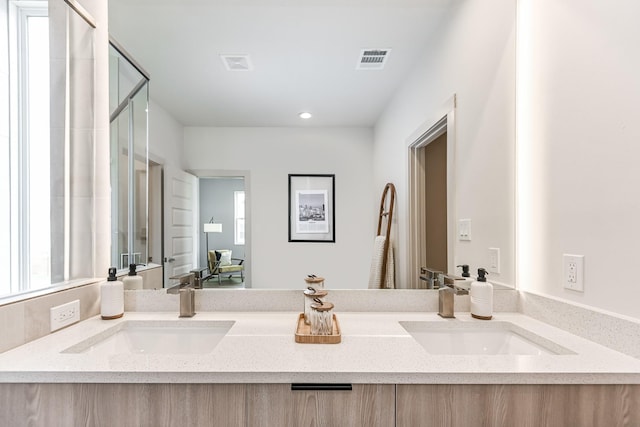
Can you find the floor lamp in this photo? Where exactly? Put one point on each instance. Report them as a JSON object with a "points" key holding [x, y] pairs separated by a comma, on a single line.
{"points": [[211, 227]]}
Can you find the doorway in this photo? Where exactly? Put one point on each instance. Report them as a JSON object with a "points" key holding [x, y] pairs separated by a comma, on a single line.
{"points": [[431, 199], [434, 191], [222, 202], [155, 213]]}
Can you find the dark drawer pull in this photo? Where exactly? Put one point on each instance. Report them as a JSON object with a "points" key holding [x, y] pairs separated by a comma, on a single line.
{"points": [[320, 387]]}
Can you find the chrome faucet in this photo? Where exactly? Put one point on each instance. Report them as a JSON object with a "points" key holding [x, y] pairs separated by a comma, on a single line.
{"points": [[185, 288], [445, 297]]}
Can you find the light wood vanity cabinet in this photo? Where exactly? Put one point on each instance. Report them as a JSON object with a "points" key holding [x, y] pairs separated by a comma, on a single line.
{"points": [[266, 405], [225, 405], [518, 405]]}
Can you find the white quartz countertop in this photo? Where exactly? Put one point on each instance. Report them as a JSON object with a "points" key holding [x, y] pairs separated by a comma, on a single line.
{"points": [[260, 348]]}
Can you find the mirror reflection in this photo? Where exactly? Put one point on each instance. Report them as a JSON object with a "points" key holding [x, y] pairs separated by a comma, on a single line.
{"points": [[128, 105], [222, 252], [46, 105], [229, 82]]}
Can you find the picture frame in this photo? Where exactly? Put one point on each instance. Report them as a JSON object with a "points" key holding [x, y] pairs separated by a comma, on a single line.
{"points": [[312, 208]]}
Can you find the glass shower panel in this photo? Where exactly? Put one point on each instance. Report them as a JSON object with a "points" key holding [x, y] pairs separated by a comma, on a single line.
{"points": [[119, 188], [123, 78], [128, 99], [139, 106]]}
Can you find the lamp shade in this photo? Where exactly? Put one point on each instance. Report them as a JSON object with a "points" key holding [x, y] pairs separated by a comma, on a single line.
{"points": [[212, 227]]}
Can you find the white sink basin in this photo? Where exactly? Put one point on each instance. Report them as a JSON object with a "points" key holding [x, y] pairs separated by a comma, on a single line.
{"points": [[156, 337], [490, 338]]}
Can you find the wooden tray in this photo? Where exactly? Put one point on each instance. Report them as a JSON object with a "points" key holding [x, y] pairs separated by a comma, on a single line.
{"points": [[303, 333]]}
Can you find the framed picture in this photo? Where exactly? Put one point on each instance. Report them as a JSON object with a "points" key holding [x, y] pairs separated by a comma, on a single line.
{"points": [[311, 208]]}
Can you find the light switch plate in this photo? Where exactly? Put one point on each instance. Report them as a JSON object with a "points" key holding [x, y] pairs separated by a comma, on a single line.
{"points": [[464, 229]]}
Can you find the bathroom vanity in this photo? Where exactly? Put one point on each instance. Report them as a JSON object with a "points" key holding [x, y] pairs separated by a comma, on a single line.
{"points": [[254, 373]]}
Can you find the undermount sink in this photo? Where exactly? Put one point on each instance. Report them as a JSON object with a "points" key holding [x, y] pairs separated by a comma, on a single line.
{"points": [[474, 338], [156, 337]]}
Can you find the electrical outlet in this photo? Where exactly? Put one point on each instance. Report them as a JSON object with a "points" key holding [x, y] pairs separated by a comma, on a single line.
{"points": [[64, 315], [464, 229], [573, 272], [494, 260]]}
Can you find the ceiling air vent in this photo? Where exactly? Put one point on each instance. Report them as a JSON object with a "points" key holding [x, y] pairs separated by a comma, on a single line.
{"points": [[237, 62], [372, 59]]}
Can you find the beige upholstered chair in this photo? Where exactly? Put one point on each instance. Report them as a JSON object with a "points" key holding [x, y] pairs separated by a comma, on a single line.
{"points": [[221, 264]]}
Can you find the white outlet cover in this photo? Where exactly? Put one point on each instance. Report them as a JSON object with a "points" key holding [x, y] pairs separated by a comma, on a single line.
{"points": [[573, 272], [64, 315]]}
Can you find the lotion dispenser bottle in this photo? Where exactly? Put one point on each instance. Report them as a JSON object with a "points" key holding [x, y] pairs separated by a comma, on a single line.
{"points": [[112, 297], [132, 281], [465, 270], [481, 295]]}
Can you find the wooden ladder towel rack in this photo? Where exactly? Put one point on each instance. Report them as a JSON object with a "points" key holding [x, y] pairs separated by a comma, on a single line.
{"points": [[389, 191]]}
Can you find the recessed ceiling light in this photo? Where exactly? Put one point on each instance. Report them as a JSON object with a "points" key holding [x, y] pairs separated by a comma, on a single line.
{"points": [[305, 115]]}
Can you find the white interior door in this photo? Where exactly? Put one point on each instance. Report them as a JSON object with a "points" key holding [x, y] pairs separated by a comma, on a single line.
{"points": [[180, 210], [155, 212]]}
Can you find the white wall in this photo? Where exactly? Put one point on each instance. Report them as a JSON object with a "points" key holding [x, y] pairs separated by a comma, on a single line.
{"points": [[579, 154], [165, 136], [270, 154], [472, 55]]}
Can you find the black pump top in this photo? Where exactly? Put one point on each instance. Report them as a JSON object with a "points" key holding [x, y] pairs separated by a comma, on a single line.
{"points": [[481, 273], [112, 275], [465, 270], [132, 270]]}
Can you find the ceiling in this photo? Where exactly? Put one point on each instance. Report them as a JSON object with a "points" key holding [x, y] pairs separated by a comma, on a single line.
{"points": [[304, 54]]}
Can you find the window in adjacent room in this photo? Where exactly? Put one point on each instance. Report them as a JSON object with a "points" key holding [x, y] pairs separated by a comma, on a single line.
{"points": [[238, 216]]}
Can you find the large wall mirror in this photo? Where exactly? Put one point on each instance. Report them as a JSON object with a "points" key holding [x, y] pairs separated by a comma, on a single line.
{"points": [[233, 75]]}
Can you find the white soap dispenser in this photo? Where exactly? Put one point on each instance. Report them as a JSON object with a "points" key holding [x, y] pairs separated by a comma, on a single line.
{"points": [[481, 295], [132, 281], [111, 297]]}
